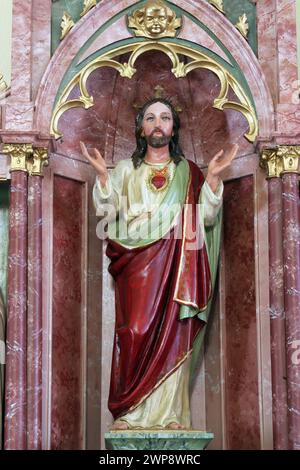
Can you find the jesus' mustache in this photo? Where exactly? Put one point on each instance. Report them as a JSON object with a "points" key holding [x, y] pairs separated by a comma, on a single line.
{"points": [[158, 141]]}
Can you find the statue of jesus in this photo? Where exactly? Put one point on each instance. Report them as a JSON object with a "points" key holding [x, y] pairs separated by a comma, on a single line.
{"points": [[163, 270]]}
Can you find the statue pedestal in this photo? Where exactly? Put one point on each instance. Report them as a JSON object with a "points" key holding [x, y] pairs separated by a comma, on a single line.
{"points": [[157, 440]]}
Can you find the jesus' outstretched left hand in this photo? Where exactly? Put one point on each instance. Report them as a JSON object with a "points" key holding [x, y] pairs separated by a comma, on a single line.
{"points": [[218, 163]]}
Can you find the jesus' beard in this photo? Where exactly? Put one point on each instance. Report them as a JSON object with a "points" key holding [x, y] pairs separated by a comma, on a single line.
{"points": [[158, 141]]}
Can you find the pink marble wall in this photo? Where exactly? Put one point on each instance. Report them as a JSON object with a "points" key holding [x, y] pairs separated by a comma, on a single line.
{"points": [[31, 39], [287, 50], [241, 369], [21, 50], [288, 124], [109, 125], [267, 54], [66, 425], [19, 111], [277, 47], [41, 41], [191, 32]]}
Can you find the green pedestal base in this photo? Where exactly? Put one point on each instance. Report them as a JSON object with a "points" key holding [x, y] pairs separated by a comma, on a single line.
{"points": [[157, 440]]}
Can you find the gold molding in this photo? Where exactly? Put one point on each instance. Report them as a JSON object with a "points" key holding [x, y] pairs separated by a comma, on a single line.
{"points": [[26, 158], [66, 25], [242, 25], [179, 69], [280, 160], [87, 6], [155, 20], [217, 4]]}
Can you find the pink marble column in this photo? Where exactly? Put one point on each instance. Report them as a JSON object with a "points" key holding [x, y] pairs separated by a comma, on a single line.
{"points": [[291, 255], [278, 354], [34, 320], [16, 387]]}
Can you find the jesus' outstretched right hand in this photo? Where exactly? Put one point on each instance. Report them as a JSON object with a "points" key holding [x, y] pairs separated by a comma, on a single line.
{"points": [[98, 163]]}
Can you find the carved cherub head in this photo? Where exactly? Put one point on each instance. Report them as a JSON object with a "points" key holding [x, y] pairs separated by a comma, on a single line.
{"points": [[155, 20], [156, 17]]}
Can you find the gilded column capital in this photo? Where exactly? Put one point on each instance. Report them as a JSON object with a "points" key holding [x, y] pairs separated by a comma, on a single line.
{"points": [[280, 160], [289, 155], [39, 160], [271, 163], [19, 153], [24, 157]]}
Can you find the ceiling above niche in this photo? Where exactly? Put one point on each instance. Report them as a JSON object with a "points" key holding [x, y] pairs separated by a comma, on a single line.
{"points": [[109, 124]]}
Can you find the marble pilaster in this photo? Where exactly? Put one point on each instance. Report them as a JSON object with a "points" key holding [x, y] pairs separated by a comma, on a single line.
{"points": [[277, 317], [16, 386], [291, 256], [34, 319]]}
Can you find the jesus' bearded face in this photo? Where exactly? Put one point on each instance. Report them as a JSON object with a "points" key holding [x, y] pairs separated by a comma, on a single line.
{"points": [[158, 125]]}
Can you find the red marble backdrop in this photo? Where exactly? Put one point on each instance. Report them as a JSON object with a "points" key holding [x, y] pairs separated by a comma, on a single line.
{"points": [[67, 315], [72, 292], [241, 369]]}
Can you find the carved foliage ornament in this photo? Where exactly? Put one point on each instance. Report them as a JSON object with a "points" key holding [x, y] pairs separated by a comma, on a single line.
{"points": [[155, 20], [87, 6], [67, 24], [242, 25], [218, 4]]}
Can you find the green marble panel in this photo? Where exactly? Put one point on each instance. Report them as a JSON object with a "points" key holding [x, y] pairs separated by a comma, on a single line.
{"points": [[59, 7], [4, 205], [234, 9], [157, 440]]}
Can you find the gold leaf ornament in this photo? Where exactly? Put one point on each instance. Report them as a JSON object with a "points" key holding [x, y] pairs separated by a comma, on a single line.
{"points": [[87, 6], [217, 4], [242, 25], [67, 24]]}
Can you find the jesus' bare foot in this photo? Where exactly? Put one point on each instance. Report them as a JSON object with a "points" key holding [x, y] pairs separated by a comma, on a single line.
{"points": [[175, 426], [119, 425]]}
